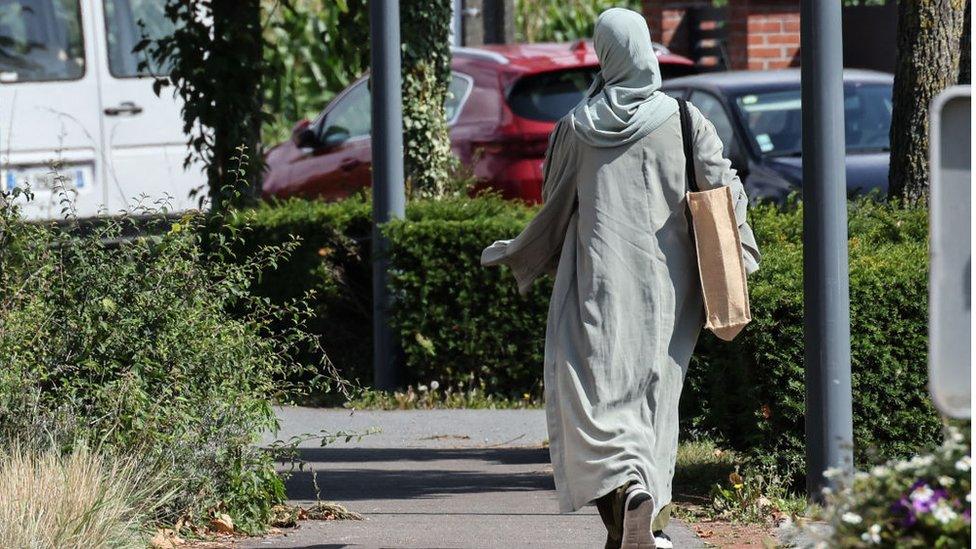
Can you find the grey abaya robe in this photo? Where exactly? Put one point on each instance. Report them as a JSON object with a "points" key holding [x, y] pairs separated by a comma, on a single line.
{"points": [[626, 308]]}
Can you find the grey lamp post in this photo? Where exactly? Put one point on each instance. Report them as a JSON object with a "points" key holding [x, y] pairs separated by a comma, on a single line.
{"points": [[826, 301], [388, 193]]}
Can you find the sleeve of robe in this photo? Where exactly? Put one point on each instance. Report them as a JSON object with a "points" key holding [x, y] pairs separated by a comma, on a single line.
{"points": [[713, 170], [535, 251]]}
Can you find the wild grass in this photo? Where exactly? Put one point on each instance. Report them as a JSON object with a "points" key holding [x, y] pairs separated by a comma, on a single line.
{"points": [[80, 499], [425, 397], [714, 483]]}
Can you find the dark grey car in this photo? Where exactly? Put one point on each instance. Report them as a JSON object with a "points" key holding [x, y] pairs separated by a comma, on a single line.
{"points": [[757, 116]]}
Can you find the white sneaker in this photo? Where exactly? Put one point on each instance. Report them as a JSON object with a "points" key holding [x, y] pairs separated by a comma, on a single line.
{"points": [[638, 510], [662, 540]]}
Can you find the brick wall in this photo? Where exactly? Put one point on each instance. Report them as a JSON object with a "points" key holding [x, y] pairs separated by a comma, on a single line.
{"points": [[759, 34]]}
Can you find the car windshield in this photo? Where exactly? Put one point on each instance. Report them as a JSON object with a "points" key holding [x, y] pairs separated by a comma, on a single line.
{"points": [[40, 40], [773, 119]]}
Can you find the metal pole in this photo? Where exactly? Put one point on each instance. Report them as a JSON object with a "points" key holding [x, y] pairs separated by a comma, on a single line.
{"points": [[457, 24], [388, 194], [826, 302]]}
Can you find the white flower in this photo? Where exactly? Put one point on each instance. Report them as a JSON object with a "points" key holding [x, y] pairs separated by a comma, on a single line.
{"points": [[957, 436], [922, 461], [861, 475], [434, 385], [946, 481], [923, 492], [833, 472], [964, 464], [903, 466], [879, 470], [943, 512], [851, 518], [422, 388], [873, 535], [969, 497]]}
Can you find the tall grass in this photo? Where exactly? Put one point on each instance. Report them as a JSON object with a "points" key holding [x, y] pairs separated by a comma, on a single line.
{"points": [[81, 500]]}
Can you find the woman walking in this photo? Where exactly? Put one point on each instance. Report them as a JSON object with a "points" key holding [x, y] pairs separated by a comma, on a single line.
{"points": [[626, 308]]}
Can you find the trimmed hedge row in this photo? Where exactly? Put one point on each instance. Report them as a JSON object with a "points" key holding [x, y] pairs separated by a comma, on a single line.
{"points": [[461, 323]]}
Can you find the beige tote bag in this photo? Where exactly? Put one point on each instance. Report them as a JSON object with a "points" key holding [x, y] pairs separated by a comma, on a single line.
{"points": [[716, 235]]}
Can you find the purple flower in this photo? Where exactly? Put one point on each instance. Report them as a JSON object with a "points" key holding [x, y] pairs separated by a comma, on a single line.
{"points": [[923, 498], [903, 508]]}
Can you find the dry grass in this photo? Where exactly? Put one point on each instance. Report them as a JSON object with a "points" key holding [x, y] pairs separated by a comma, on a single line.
{"points": [[78, 500]]}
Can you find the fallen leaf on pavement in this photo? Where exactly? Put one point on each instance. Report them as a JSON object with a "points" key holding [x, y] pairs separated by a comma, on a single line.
{"points": [[222, 523]]}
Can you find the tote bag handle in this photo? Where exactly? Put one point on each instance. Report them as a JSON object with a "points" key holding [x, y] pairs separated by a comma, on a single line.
{"points": [[718, 247]]}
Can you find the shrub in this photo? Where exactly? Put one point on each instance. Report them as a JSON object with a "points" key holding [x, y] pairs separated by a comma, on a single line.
{"points": [[130, 343], [332, 261], [461, 324], [922, 502], [74, 501], [751, 391]]}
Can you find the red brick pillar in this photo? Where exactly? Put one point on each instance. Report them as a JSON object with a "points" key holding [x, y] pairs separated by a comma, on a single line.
{"points": [[760, 34], [764, 34]]}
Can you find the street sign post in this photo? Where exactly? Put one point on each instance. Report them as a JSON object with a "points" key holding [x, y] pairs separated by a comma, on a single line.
{"points": [[950, 275]]}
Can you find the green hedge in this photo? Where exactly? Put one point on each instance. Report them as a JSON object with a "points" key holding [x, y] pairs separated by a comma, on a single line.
{"points": [[461, 323], [751, 391]]}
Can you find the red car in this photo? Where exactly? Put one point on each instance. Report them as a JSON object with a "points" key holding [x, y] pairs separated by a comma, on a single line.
{"points": [[504, 101]]}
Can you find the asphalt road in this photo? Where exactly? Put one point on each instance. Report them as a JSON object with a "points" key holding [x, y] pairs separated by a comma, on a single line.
{"points": [[442, 478]]}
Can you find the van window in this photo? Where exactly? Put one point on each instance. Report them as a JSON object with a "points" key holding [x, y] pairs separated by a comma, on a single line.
{"points": [[126, 23], [40, 40]]}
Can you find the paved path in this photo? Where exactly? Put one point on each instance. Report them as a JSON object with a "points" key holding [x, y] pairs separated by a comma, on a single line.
{"points": [[443, 478]]}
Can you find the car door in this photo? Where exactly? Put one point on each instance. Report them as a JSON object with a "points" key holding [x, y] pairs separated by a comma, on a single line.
{"points": [[339, 165], [144, 141], [49, 105]]}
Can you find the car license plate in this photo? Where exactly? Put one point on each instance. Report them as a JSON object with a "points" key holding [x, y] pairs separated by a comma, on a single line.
{"points": [[48, 180]]}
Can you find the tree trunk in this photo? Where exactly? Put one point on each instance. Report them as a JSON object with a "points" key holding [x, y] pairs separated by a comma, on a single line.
{"points": [[965, 47], [928, 61], [236, 71]]}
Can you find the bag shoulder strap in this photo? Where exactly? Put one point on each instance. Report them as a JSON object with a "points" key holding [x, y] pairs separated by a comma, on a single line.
{"points": [[686, 140]]}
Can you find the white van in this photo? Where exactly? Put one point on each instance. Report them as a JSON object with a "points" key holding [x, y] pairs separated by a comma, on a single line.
{"points": [[71, 95]]}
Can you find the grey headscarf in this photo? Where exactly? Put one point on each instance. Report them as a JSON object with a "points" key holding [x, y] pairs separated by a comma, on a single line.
{"points": [[625, 102]]}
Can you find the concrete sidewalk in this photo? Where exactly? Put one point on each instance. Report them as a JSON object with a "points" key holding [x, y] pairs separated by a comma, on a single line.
{"points": [[441, 478]]}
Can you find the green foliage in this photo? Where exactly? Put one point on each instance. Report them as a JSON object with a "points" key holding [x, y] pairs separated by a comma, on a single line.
{"points": [[751, 391], [922, 502], [755, 495], [333, 261], [428, 160], [316, 49], [545, 21], [459, 322], [212, 41], [129, 343]]}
